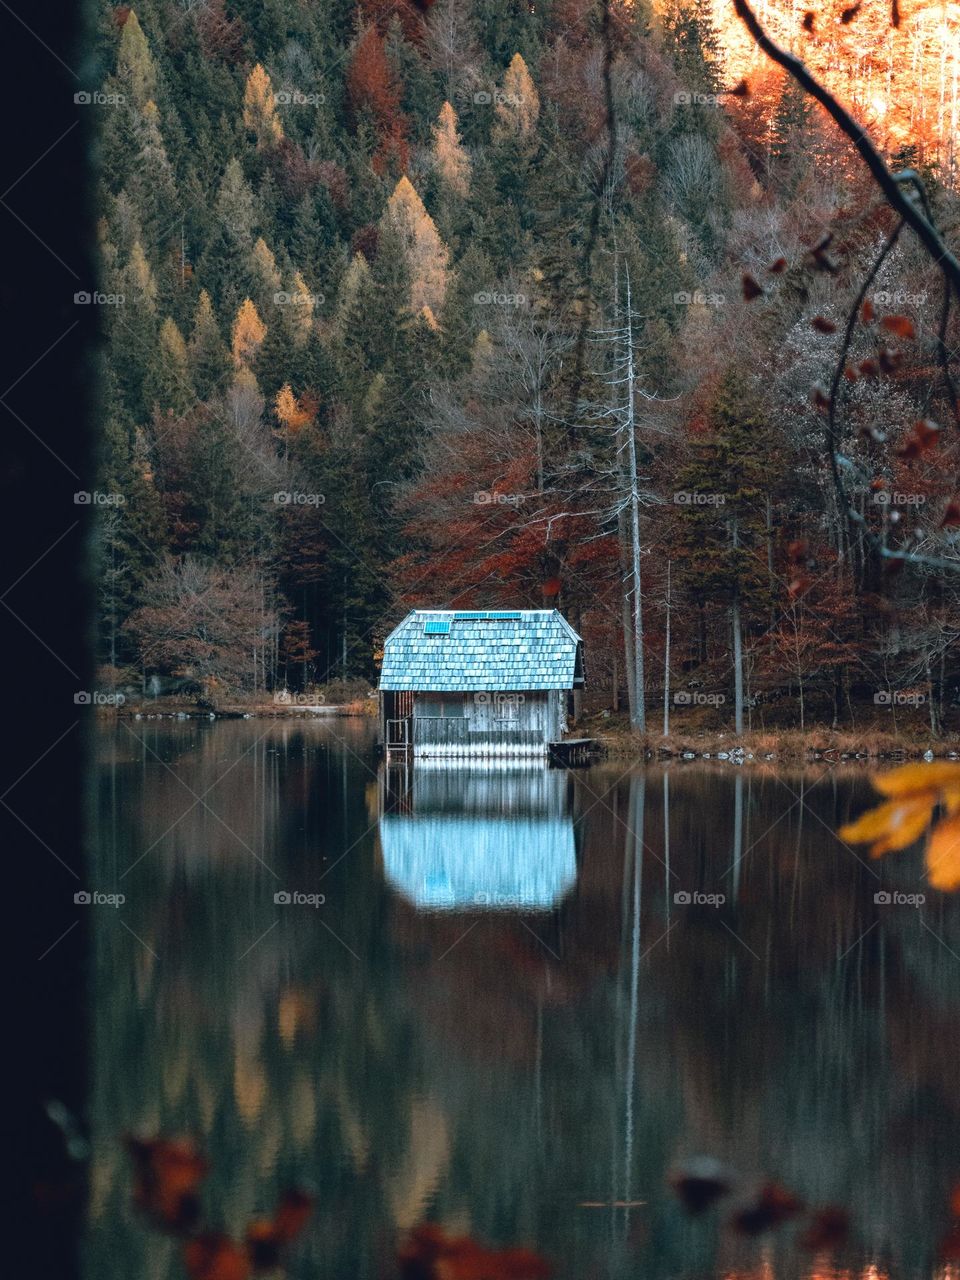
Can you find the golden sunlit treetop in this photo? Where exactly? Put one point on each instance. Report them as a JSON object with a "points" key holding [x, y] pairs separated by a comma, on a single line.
{"points": [[903, 83]]}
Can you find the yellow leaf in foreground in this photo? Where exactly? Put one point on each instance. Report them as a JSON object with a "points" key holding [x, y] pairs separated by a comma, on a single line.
{"points": [[891, 826], [910, 779], [943, 855]]}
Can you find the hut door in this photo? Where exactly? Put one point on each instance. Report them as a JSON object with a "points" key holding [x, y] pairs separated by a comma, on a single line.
{"points": [[483, 712]]}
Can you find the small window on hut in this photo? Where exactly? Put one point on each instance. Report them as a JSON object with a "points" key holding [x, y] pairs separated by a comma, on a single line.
{"points": [[449, 706]]}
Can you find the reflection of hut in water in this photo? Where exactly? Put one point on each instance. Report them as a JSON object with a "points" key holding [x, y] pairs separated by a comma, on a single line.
{"points": [[478, 683], [456, 839]]}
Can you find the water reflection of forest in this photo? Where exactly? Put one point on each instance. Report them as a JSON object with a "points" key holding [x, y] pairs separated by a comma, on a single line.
{"points": [[496, 1070]]}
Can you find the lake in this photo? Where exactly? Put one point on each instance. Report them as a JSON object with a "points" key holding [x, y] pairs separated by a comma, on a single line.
{"points": [[511, 1001]]}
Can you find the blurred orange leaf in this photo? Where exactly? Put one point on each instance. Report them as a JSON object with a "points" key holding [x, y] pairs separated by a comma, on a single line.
{"points": [[915, 790], [917, 779], [215, 1257], [167, 1173], [891, 826], [430, 1254], [902, 326], [943, 854]]}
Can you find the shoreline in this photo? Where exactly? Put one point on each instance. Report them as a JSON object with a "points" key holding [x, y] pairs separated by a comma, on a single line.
{"points": [[786, 746], [618, 742]]}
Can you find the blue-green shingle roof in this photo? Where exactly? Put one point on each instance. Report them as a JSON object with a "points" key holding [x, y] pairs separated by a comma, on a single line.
{"points": [[526, 649]]}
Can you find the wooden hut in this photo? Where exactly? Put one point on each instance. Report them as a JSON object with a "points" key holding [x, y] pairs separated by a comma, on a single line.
{"points": [[474, 683]]}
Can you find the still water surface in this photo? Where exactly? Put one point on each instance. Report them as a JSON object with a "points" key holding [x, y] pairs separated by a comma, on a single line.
{"points": [[510, 1013]]}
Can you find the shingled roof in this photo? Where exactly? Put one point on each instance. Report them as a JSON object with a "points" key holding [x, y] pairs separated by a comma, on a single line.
{"points": [[435, 650]]}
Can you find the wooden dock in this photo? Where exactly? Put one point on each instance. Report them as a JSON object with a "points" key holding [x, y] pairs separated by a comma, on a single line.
{"points": [[574, 751]]}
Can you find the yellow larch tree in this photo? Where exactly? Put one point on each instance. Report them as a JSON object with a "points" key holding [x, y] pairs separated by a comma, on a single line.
{"points": [[518, 103], [135, 66], [139, 277], [259, 109], [426, 254], [249, 332], [291, 415], [449, 157], [299, 312], [265, 271]]}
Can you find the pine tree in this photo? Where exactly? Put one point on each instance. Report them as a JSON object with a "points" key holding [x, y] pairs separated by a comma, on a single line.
{"points": [[692, 40], [153, 186], [207, 356], [259, 110], [133, 332], [168, 387], [236, 207]]}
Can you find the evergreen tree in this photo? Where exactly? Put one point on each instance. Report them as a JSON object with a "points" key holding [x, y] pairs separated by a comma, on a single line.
{"points": [[167, 386], [207, 356]]}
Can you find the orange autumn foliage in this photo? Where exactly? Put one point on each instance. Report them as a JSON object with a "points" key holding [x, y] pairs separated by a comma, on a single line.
{"points": [[914, 792], [429, 1253], [167, 1175], [293, 414], [372, 88], [215, 1257]]}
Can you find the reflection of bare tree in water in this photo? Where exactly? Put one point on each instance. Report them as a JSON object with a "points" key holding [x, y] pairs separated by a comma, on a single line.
{"points": [[494, 1070]]}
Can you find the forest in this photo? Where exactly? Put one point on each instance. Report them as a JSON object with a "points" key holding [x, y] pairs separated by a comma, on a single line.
{"points": [[572, 304]]}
